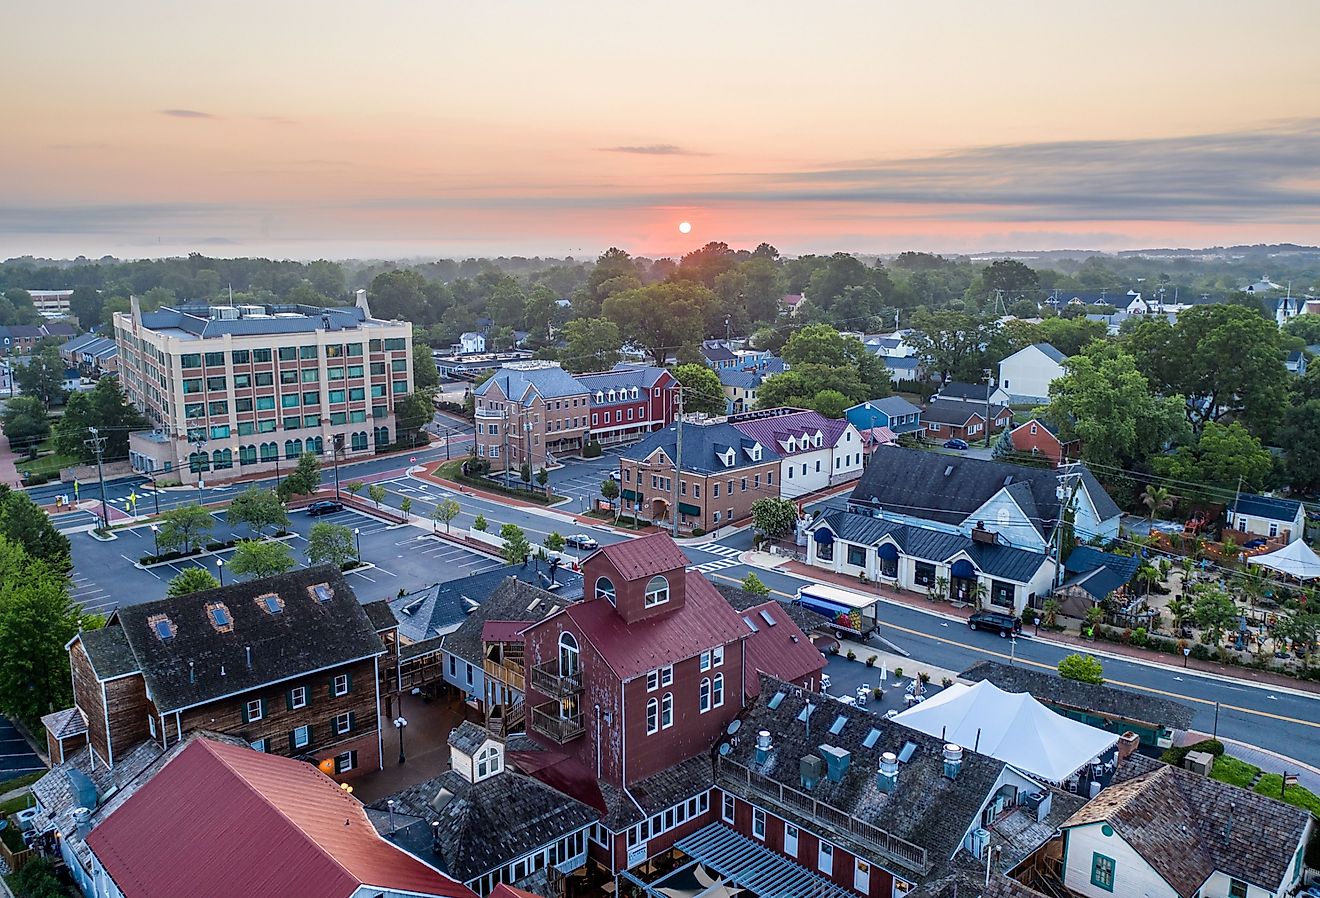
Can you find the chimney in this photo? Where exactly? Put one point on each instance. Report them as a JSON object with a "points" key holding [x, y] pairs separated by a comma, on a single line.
{"points": [[888, 778], [248, 650], [953, 755], [1127, 744], [762, 746], [809, 768], [836, 762]]}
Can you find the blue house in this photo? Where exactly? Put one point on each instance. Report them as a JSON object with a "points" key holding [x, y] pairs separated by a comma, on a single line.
{"points": [[893, 412]]}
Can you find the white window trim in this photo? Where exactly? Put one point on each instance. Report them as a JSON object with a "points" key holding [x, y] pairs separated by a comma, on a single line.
{"points": [[337, 691], [306, 733], [298, 697], [667, 675], [253, 718], [343, 723], [758, 813]]}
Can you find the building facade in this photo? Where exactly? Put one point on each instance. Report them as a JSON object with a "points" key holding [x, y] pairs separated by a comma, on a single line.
{"points": [[815, 452], [1026, 375], [1039, 438], [235, 390]]}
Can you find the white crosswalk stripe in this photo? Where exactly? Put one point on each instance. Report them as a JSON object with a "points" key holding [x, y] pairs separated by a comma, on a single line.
{"points": [[717, 549], [720, 565]]}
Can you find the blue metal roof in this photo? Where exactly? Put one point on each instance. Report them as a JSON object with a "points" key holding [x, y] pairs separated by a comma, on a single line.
{"points": [[748, 864], [1267, 507]]}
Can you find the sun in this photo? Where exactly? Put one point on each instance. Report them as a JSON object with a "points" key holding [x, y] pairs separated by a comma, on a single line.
{"points": [[684, 227]]}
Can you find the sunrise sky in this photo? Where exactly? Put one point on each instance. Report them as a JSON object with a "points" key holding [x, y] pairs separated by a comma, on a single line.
{"points": [[340, 129]]}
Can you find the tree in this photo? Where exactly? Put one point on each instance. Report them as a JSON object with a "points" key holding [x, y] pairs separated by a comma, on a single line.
{"points": [[593, 344], [1011, 276], [819, 347], [752, 584], [542, 477], [1305, 327], [399, 294], [480, 523], [525, 473], [426, 376], [554, 541], [609, 491], [192, 579], [355, 486], [331, 544], [1300, 437], [86, 305], [775, 518], [540, 312], [702, 391], [516, 546], [304, 480], [1222, 455], [411, 414], [1082, 668], [1156, 499], [258, 509], [26, 423], [801, 386], [445, 512], [1302, 627], [43, 377], [949, 343], [37, 879], [184, 525], [37, 619], [830, 403], [258, 559], [1214, 613], [376, 493], [106, 408], [661, 318]]}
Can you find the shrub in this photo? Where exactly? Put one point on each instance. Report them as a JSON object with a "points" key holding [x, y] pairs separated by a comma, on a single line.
{"points": [[1140, 636], [591, 450], [946, 682], [923, 677], [898, 673], [480, 523], [870, 662], [1083, 668], [698, 531], [852, 656], [1176, 755]]}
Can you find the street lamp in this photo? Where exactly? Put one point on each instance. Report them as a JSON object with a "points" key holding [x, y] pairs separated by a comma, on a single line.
{"points": [[1036, 622], [220, 566], [1186, 651], [357, 538], [1012, 657], [400, 723], [155, 537]]}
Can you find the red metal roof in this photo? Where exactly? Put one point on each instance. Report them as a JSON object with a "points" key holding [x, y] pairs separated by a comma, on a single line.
{"points": [[503, 630], [704, 621], [645, 557], [223, 820], [506, 891], [781, 649]]}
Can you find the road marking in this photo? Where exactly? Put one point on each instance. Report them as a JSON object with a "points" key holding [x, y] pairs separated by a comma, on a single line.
{"points": [[1053, 668]]}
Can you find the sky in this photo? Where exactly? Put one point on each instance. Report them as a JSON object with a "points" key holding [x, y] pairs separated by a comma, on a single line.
{"points": [[394, 128]]}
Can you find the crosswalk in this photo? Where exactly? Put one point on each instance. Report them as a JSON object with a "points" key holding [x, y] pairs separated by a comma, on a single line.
{"points": [[728, 557]]}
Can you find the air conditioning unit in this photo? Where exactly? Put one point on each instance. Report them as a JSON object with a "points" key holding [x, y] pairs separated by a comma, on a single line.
{"points": [[978, 840], [1199, 762]]}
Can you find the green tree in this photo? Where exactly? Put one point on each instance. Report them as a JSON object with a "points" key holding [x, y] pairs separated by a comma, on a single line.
{"points": [[830, 403], [184, 526], [593, 344], [609, 491], [1082, 668], [257, 559], [525, 473], [555, 541], [37, 619], [1214, 613], [43, 377], [106, 408], [331, 544], [399, 294], [1300, 437], [405, 506], [1305, 327], [26, 423], [86, 305], [801, 386], [37, 879], [752, 584], [190, 580], [542, 477], [662, 318], [304, 480], [516, 546], [411, 414], [702, 391], [949, 343], [355, 486], [540, 312], [817, 348], [426, 376], [1011, 276], [775, 518], [1221, 455], [1156, 499], [257, 508], [445, 512], [376, 493], [480, 523]]}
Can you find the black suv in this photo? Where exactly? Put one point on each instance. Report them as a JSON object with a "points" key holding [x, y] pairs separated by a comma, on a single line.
{"points": [[1004, 624]]}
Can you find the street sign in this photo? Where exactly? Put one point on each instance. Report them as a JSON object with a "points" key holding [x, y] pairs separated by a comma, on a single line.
{"points": [[413, 460]]}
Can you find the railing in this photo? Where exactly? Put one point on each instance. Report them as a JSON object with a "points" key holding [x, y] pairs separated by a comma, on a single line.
{"points": [[508, 672], [547, 721], [505, 719], [547, 680], [740, 778]]}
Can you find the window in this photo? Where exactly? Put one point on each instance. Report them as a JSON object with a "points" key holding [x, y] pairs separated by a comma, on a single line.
{"points": [[353, 349], [393, 344], [335, 373], [652, 717], [862, 876], [264, 379], [653, 681], [191, 360], [758, 823], [265, 403], [703, 697], [489, 762], [399, 365], [310, 376], [400, 386], [339, 685], [241, 356], [657, 592], [288, 353], [261, 355], [727, 808], [825, 858], [347, 760], [667, 675], [289, 400], [1274, 529], [297, 695], [1102, 872], [667, 711], [715, 491], [717, 656], [192, 385], [259, 745], [718, 689], [705, 660], [790, 840], [354, 370], [336, 395], [151, 725], [1237, 889], [288, 377], [253, 711], [857, 555], [568, 655], [923, 574], [220, 407], [343, 723]]}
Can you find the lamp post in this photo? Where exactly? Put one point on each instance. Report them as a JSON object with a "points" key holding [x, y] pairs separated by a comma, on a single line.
{"points": [[155, 537], [1187, 651], [1012, 656], [357, 538], [1036, 623], [401, 723], [220, 566]]}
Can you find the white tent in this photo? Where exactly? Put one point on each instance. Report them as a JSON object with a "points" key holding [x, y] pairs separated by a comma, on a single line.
{"points": [[1295, 559], [1010, 726]]}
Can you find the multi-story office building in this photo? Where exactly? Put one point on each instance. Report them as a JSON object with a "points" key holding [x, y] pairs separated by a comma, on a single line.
{"points": [[232, 390]]}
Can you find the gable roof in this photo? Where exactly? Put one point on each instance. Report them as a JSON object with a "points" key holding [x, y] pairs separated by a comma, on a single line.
{"points": [[1097, 572], [637, 559], [1268, 507], [200, 662], [622, 375], [252, 824], [524, 381], [774, 430], [511, 600], [777, 647], [951, 411], [1188, 826], [743, 601], [108, 651], [703, 444], [717, 351], [971, 392], [740, 378], [1047, 350], [893, 406]]}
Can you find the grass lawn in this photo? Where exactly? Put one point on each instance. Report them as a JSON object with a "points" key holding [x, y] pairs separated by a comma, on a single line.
{"points": [[1234, 771], [47, 464], [1297, 796], [453, 470], [626, 522], [14, 805], [19, 782]]}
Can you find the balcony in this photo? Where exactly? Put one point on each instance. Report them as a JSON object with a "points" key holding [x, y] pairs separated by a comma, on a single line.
{"points": [[505, 719], [547, 680], [547, 721], [509, 672]]}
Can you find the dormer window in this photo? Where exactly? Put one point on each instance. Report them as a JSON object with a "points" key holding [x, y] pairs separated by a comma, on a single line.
{"points": [[612, 395], [657, 592], [489, 761], [634, 392], [600, 396], [219, 616], [728, 459], [162, 626]]}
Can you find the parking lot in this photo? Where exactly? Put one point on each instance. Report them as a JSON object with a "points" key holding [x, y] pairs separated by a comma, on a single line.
{"points": [[16, 756], [579, 479]]}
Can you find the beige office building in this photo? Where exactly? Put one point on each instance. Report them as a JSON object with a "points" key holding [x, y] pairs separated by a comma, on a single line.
{"points": [[234, 390]]}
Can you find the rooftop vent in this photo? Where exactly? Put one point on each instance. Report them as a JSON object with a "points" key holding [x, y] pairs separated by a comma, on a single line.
{"points": [[836, 762], [762, 746], [953, 756], [888, 778], [809, 768]]}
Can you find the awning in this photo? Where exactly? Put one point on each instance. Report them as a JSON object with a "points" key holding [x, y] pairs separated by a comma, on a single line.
{"points": [[693, 510], [963, 570], [887, 552], [628, 495], [823, 536]]}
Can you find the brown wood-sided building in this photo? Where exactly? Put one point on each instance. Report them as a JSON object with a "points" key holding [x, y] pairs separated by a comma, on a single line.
{"points": [[290, 664]]}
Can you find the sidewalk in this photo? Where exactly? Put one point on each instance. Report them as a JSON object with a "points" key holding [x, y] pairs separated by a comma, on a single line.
{"points": [[8, 470], [1073, 639]]}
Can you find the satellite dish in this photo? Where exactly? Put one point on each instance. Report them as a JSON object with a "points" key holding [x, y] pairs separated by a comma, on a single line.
{"points": [[724, 749], [733, 726]]}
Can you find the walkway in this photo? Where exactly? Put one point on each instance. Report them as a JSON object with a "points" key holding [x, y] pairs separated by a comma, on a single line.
{"points": [[8, 470]]}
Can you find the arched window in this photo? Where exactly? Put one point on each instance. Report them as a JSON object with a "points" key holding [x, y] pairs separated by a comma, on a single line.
{"points": [[292, 448], [657, 591], [360, 441], [199, 462], [222, 459], [568, 655], [667, 710], [605, 589], [718, 691], [703, 702], [382, 435], [314, 444], [489, 762], [652, 716], [270, 452]]}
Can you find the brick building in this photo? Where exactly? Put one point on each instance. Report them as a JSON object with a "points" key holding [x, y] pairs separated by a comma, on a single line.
{"points": [[947, 419], [290, 664], [1038, 437]]}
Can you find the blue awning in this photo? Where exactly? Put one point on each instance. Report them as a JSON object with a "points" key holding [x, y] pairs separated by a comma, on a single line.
{"points": [[824, 537], [963, 570], [887, 552]]}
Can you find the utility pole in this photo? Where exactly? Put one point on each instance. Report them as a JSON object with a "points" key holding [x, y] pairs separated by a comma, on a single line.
{"points": [[678, 458], [97, 445], [337, 446], [989, 388], [1066, 492]]}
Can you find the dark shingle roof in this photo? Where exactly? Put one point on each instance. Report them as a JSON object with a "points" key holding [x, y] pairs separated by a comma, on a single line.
{"points": [[1105, 506], [1111, 701], [1099, 573], [1188, 826], [1268, 507], [380, 616], [701, 443], [109, 652], [948, 411], [524, 381], [441, 607], [743, 380], [974, 392], [200, 662], [656, 792], [467, 737], [742, 600], [1050, 352], [512, 600], [716, 351]]}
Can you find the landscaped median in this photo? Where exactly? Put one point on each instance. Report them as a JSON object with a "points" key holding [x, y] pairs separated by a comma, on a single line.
{"points": [[453, 472]]}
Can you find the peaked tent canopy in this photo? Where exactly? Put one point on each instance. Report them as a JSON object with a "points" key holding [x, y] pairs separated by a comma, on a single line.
{"points": [[1011, 727], [1295, 559]]}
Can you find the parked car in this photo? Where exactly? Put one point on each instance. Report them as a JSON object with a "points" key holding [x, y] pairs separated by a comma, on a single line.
{"points": [[1004, 624], [616, 476], [581, 541], [955, 443], [325, 506]]}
